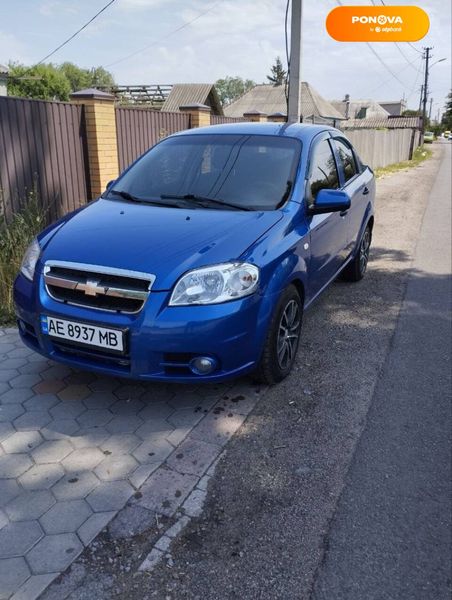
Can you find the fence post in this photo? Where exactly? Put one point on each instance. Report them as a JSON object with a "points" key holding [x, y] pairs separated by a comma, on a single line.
{"points": [[255, 116], [100, 127], [199, 114]]}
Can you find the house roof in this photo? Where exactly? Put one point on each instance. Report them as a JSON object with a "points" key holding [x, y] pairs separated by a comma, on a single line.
{"points": [[271, 99], [360, 109], [182, 94], [4, 70], [386, 123]]}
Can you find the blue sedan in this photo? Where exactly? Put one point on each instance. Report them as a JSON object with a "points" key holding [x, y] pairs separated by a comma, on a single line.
{"points": [[198, 261]]}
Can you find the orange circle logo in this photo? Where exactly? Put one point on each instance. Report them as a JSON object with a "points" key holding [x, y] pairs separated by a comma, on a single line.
{"points": [[377, 23]]}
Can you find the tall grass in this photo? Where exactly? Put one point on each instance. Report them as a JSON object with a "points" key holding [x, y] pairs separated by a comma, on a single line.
{"points": [[15, 236]]}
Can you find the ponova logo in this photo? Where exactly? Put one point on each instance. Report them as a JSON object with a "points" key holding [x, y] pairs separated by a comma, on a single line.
{"points": [[377, 24]]}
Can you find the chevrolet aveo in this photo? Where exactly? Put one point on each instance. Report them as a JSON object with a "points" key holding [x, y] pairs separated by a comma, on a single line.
{"points": [[198, 261]]}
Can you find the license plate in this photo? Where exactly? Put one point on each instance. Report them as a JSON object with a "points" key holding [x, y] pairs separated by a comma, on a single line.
{"points": [[91, 335]]}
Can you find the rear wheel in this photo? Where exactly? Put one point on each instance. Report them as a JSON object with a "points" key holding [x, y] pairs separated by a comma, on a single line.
{"points": [[282, 340], [356, 269]]}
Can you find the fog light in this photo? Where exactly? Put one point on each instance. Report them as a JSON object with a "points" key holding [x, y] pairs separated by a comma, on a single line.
{"points": [[203, 365]]}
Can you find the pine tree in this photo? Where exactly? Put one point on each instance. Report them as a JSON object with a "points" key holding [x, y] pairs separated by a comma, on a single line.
{"points": [[278, 73]]}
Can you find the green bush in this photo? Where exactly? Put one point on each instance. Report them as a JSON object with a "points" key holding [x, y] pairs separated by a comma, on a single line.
{"points": [[15, 236]]}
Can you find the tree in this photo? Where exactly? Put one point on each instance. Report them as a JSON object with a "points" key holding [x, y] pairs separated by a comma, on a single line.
{"points": [[44, 82], [54, 82], [278, 73], [230, 88], [446, 121]]}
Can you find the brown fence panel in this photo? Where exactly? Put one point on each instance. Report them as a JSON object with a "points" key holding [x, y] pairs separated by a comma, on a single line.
{"points": [[42, 148], [138, 129], [219, 120]]}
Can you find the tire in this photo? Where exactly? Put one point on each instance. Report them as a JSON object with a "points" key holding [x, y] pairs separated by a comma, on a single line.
{"points": [[282, 339], [356, 269]]}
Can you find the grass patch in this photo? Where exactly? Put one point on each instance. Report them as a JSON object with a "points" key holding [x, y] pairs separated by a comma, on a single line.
{"points": [[419, 155], [15, 236]]}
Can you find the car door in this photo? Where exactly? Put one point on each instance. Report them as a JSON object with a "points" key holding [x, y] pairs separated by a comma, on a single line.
{"points": [[356, 184], [328, 232]]}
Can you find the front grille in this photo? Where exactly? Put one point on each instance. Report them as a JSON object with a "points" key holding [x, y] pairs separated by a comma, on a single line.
{"points": [[102, 288], [90, 356]]}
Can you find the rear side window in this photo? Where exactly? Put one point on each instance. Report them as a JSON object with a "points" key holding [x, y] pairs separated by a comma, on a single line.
{"points": [[323, 172], [347, 159]]}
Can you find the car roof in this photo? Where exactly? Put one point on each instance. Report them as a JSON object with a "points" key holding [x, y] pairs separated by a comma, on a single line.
{"points": [[304, 132]]}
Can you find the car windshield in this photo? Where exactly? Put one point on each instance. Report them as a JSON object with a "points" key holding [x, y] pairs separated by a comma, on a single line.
{"points": [[233, 172]]}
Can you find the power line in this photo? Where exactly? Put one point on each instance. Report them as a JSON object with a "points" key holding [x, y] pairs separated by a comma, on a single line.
{"points": [[159, 40], [76, 33], [409, 43]]}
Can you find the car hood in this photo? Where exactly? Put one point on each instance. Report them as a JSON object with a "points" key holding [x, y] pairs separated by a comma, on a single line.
{"points": [[166, 242]]}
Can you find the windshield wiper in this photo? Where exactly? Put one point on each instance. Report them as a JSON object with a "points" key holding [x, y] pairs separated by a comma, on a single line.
{"points": [[203, 200], [132, 198]]}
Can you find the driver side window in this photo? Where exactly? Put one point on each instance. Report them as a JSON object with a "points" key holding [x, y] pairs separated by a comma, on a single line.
{"points": [[323, 171]]}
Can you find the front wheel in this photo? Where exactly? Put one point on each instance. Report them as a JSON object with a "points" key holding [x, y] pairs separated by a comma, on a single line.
{"points": [[282, 340], [356, 269]]}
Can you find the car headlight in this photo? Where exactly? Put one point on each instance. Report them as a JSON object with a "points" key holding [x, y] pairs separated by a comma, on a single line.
{"points": [[212, 285], [27, 268]]}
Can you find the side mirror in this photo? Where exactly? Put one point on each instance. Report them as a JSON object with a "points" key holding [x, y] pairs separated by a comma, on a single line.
{"points": [[329, 201], [110, 183]]}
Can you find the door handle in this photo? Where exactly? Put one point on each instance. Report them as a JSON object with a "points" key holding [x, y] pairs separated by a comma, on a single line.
{"points": [[365, 191]]}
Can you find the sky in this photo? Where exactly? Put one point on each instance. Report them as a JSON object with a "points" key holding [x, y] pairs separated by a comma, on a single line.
{"points": [[232, 37]]}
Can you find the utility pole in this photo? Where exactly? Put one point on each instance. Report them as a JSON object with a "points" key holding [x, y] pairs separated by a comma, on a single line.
{"points": [[294, 104], [420, 99], [424, 101], [430, 110]]}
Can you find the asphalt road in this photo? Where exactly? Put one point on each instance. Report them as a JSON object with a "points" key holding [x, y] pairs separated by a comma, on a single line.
{"points": [[337, 485]]}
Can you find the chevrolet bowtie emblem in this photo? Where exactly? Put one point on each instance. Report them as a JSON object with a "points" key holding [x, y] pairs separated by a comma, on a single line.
{"points": [[92, 287]]}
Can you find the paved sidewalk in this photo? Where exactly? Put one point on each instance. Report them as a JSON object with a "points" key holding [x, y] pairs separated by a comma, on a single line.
{"points": [[76, 448]]}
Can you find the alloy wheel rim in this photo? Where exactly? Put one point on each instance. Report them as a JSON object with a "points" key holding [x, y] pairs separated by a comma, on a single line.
{"points": [[364, 251], [288, 334]]}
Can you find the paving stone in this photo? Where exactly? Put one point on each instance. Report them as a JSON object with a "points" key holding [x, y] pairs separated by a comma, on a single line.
{"points": [[128, 424], [154, 426], [185, 418], [157, 393], [52, 386], [83, 459], [193, 456], [99, 400], [94, 525], [3, 519], [41, 477], [89, 437], [129, 391], [204, 482], [165, 490], [120, 443], [16, 396], [54, 553], [32, 419], [104, 384], [178, 527], [56, 372], [4, 387], [131, 521], [12, 363], [24, 380], [127, 407], [187, 400], [163, 543], [8, 374], [156, 410], [79, 378], [32, 367], [116, 467], [240, 400], [65, 517], [67, 410], [140, 475], [95, 418], [58, 429], [193, 505], [13, 573], [52, 451], [22, 441], [8, 490], [6, 430], [6, 348], [217, 429], [74, 393], [177, 436], [20, 352], [111, 495], [17, 538], [75, 485], [41, 402], [13, 465], [9, 412], [156, 449], [29, 505], [34, 586], [151, 560]]}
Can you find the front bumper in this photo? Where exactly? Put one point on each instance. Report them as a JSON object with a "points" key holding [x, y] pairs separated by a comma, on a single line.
{"points": [[161, 340]]}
